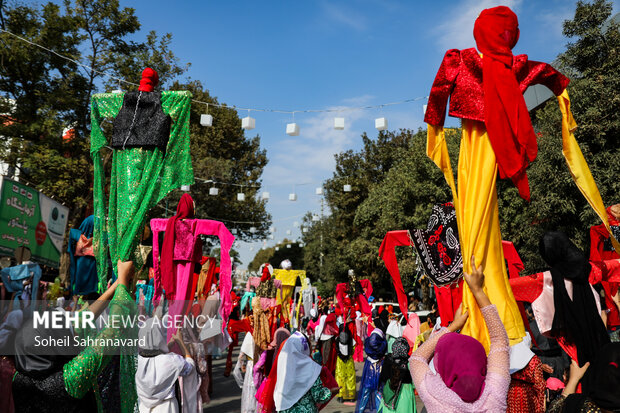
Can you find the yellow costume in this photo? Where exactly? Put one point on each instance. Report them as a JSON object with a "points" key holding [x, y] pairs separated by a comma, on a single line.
{"points": [[477, 213], [288, 278]]}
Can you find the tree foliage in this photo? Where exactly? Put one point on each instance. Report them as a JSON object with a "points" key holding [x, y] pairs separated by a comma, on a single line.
{"points": [[592, 61], [43, 95], [394, 186], [222, 153], [274, 257]]}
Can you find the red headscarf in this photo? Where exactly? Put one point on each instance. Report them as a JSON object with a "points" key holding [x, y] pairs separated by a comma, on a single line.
{"points": [[505, 114], [185, 209], [461, 362], [149, 80]]}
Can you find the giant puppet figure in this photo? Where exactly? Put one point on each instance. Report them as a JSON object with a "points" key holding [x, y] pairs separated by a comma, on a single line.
{"points": [[485, 88]]}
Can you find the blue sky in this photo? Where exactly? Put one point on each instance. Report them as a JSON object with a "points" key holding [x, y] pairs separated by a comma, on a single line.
{"points": [[318, 55]]}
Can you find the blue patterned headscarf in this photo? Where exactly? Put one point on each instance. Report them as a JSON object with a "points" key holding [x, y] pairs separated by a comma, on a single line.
{"points": [[375, 345]]}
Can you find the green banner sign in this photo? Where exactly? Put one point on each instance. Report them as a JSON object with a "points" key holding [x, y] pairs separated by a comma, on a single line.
{"points": [[32, 220]]}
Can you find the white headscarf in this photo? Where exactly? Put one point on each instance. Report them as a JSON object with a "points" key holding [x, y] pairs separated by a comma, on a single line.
{"points": [[297, 372], [152, 337], [520, 354], [247, 346]]}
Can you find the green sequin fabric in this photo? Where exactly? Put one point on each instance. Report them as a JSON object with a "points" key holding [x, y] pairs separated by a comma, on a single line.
{"points": [[80, 374], [139, 179]]}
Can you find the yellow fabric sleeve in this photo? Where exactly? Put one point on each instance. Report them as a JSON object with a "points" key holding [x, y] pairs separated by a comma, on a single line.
{"points": [[579, 168]]}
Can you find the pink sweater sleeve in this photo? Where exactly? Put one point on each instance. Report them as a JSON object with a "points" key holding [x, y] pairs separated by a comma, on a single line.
{"points": [[418, 363], [498, 359]]}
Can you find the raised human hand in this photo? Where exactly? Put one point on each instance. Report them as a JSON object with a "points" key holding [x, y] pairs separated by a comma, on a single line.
{"points": [[459, 319], [475, 280]]}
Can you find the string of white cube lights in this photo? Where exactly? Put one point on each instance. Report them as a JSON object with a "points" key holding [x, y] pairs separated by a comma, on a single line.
{"points": [[292, 128], [248, 122]]}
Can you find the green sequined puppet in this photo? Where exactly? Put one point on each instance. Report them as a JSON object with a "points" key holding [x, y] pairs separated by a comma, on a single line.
{"points": [[151, 157]]}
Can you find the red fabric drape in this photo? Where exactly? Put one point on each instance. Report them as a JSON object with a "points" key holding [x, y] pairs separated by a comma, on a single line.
{"points": [[598, 236], [515, 266], [185, 209], [507, 120], [449, 299], [387, 252]]}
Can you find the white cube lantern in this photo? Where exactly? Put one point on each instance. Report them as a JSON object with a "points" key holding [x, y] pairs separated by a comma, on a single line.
{"points": [[292, 129], [381, 124], [304, 230], [319, 191], [248, 123], [288, 232], [277, 248], [240, 196], [288, 245], [206, 120], [265, 195], [339, 123], [253, 230], [185, 188], [234, 231], [316, 218], [213, 191], [301, 245], [346, 188], [292, 197]]}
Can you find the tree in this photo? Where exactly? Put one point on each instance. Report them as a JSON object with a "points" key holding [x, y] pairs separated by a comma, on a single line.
{"points": [[592, 61], [42, 95], [394, 187], [222, 153], [275, 257]]}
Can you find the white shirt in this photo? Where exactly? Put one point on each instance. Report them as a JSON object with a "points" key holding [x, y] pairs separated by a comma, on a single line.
{"points": [[156, 376]]}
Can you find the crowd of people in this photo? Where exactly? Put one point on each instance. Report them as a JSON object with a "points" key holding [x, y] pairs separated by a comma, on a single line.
{"points": [[306, 359]]}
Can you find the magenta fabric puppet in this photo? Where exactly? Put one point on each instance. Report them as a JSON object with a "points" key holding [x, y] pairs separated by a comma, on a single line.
{"points": [[187, 252]]}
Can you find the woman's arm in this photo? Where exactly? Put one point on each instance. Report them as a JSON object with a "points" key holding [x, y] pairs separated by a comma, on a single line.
{"points": [[498, 360], [125, 275], [418, 363]]}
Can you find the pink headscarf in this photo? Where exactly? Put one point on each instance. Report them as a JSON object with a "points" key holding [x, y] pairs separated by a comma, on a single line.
{"points": [[461, 362], [412, 331]]}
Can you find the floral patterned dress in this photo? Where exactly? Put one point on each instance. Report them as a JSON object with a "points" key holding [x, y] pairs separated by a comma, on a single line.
{"points": [[308, 403]]}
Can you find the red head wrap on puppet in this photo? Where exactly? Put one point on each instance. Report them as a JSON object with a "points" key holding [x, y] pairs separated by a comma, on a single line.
{"points": [[149, 80], [505, 114], [185, 209], [266, 276]]}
